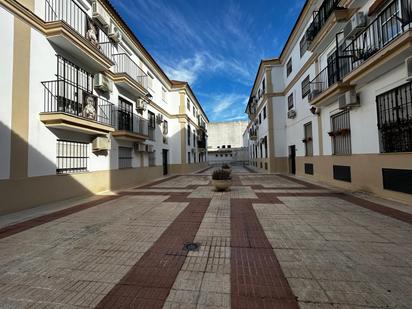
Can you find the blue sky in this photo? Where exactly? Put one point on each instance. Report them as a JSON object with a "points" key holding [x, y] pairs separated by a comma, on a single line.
{"points": [[215, 45]]}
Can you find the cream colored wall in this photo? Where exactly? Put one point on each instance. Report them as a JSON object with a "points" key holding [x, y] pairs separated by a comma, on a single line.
{"points": [[366, 170]]}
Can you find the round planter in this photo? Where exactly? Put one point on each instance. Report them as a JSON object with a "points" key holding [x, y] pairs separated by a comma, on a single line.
{"points": [[227, 169], [222, 185]]}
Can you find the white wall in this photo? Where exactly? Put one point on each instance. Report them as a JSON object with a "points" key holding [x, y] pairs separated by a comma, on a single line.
{"points": [[6, 83]]}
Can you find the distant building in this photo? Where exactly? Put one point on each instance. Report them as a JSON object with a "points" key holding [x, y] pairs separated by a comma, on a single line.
{"points": [[225, 142]]}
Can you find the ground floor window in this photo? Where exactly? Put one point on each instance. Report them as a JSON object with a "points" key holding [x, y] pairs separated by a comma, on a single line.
{"points": [[152, 159], [340, 134], [188, 158], [395, 119], [71, 157], [308, 139], [125, 157]]}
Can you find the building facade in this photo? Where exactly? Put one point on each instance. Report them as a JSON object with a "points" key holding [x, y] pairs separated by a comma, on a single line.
{"points": [[336, 105], [225, 142], [84, 107]]}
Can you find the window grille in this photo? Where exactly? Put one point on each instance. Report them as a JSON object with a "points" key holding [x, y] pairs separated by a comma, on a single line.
{"points": [[125, 157], [308, 139], [394, 109], [305, 87], [289, 67], [290, 101], [71, 157], [340, 133]]}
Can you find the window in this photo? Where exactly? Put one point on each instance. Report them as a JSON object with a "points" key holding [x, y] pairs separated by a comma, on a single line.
{"points": [[223, 146], [290, 102], [165, 127], [188, 134], [188, 104], [260, 118], [303, 46], [217, 155], [229, 146], [152, 125], [308, 139], [264, 86], [289, 67], [194, 138], [188, 158], [264, 112], [71, 157], [125, 115], [125, 157], [163, 94], [150, 79], [194, 112], [305, 87], [340, 133], [395, 119], [390, 25]]}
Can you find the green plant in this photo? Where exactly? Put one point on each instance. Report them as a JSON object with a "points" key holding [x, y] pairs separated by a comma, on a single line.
{"points": [[221, 175], [225, 166]]}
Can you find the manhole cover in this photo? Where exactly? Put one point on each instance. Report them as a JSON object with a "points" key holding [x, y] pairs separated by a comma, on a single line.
{"points": [[191, 246]]}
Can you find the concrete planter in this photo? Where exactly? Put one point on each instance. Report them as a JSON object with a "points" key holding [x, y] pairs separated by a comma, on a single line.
{"points": [[227, 169], [222, 185]]}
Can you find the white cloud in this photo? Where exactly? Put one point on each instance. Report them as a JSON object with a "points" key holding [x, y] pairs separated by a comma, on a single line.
{"points": [[225, 106]]}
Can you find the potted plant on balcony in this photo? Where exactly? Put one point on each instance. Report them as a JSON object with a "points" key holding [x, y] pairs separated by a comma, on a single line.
{"points": [[332, 134], [226, 167], [344, 131], [221, 180]]}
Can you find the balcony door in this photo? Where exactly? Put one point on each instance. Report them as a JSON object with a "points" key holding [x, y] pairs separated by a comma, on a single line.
{"points": [[125, 115], [165, 154]]}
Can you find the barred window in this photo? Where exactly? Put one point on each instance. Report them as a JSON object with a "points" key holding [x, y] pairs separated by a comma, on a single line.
{"points": [[188, 104], [71, 157], [264, 112], [125, 157], [152, 120], [165, 127], [395, 119], [290, 101], [308, 139], [340, 133], [289, 67], [305, 87], [188, 134], [303, 44]]}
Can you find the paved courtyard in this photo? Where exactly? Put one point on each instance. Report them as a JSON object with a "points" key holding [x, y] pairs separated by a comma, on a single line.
{"points": [[271, 242]]}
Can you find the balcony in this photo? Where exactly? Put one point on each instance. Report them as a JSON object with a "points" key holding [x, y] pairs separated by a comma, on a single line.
{"points": [[384, 44], [72, 30], [325, 25], [130, 126], [68, 107], [129, 76]]}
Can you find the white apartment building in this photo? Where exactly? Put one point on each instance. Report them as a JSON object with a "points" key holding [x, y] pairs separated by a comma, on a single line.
{"points": [[336, 105], [84, 107], [225, 142]]}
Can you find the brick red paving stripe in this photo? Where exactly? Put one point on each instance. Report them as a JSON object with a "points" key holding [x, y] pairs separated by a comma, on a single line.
{"points": [[157, 182], [301, 182], [384, 210], [149, 281], [204, 170], [257, 280], [28, 224]]}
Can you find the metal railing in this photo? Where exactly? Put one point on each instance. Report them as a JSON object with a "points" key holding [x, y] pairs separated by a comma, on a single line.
{"points": [[131, 122], [320, 18], [385, 28], [73, 15], [125, 64], [62, 96]]}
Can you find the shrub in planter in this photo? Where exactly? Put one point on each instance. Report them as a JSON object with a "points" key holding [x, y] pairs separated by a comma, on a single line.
{"points": [[226, 167], [221, 179]]}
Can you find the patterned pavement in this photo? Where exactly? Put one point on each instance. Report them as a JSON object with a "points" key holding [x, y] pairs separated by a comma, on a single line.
{"points": [[273, 241]]}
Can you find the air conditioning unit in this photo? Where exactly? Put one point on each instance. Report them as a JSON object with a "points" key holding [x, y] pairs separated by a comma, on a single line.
{"points": [[141, 105], [348, 99], [409, 69], [139, 147], [150, 148], [159, 118], [291, 114], [100, 14], [114, 33], [103, 83], [355, 26], [100, 143]]}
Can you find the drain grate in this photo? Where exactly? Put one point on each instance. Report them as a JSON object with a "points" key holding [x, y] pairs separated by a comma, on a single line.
{"points": [[191, 246]]}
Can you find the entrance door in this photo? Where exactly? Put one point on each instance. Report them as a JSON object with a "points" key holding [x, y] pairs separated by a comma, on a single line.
{"points": [[165, 163], [292, 159]]}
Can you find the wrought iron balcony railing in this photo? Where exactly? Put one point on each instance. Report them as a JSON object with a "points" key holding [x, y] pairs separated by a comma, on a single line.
{"points": [[62, 96], [320, 18], [130, 122], [73, 15], [125, 64], [386, 27]]}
